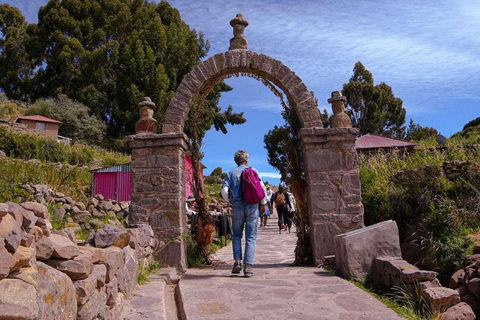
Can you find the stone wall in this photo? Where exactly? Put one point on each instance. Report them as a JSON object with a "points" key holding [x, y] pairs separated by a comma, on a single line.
{"points": [[44, 274]]}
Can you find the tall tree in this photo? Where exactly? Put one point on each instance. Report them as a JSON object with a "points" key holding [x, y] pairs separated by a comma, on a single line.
{"points": [[16, 64], [373, 108], [109, 54], [416, 132]]}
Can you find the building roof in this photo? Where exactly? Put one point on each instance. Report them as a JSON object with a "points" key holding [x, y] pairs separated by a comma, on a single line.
{"points": [[373, 141], [38, 118]]}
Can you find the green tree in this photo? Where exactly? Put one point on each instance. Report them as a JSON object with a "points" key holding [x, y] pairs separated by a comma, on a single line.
{"points": [[78, 124], [16, 64], [285, 154], [109, 54], [373, 108], [416, 132]]}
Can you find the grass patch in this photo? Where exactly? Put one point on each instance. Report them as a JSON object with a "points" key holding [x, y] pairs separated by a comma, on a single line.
{"points": [[405, 301], [82, 234], [145, 272]]}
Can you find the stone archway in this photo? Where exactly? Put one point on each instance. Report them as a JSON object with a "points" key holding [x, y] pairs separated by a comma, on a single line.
{"points": [[158, 192]]}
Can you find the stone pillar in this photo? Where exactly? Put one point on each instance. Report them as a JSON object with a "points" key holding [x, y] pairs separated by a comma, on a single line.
{"points": [[334, 194], [158, 192]]}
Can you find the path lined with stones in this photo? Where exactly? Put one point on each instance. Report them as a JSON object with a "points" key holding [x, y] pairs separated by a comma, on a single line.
{"points": [[277, 290]]}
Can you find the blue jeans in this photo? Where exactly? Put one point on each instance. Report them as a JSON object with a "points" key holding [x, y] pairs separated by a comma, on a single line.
{"points": [[244, 214]]}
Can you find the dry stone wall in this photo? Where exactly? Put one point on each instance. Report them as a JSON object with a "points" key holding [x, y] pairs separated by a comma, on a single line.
{"points": [[45, 274]]}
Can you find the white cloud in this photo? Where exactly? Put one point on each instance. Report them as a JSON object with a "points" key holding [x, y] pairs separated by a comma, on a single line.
{"points": [[272, 175]]}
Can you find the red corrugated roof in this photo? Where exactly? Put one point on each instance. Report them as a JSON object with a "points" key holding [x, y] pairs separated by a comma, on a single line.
{"points": [[38, 118], [372, 141]]}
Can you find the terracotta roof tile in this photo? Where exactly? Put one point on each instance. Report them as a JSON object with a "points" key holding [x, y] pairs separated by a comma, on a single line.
{"points": [[38, 118], [372, 141]]}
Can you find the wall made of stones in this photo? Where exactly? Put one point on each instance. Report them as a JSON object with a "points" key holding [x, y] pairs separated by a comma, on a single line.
{"points": [[45, 274]]}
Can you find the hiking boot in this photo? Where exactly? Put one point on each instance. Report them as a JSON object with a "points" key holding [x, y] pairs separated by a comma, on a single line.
{"points": [[237, 267], [247, 270]]}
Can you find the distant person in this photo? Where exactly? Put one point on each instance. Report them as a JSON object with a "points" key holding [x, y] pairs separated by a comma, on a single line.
{"points": [[293, 202], [283, 205], [244, 214], [264, 217]]}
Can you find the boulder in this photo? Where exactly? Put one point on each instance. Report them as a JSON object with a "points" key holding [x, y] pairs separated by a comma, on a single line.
{"points": [[111, 290], [98, 255], [115, 260], [106, 205], [38, 209], [12, 241], [472, 301], [81, 217], [43, 248], [6, 260], [127, 280], [429, 284], [23, 257], [44, 225], [112, 235], [81, 206], [76, 270], [27, 240], [85, 288], [471, 259], [29, 220], [356, 250], [3, 209], [461, 311], [17, 300], [115, 312], [457, 279], [94, 307], [9, 226], [59, 213], [66, 233], [63, 247], [415, 276], [55, 293], [440, 299], [16, 211], [125, 205]]}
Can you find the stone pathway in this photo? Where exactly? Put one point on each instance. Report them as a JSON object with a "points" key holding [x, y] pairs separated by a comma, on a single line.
{"points": [[277, 290]]}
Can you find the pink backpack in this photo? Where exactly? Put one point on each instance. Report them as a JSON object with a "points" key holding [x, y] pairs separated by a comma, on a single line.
{"points": [[250, 186]]}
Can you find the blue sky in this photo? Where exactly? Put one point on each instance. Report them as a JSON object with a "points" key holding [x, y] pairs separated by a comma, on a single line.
{"points": [[427, 51]]}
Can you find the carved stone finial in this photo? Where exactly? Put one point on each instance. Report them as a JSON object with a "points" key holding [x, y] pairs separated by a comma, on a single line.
{"points": [[339, 119], [239, 23], [146, 123]]}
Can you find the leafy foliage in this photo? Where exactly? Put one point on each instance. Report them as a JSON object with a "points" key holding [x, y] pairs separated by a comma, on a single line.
{"points": [[77, 123], [373, 108], [417, 133]]}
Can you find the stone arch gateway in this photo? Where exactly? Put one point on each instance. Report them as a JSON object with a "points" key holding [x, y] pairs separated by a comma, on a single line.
{"points": [[158, 192]]}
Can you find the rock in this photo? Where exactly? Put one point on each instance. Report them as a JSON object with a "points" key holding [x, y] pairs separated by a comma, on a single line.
{"points": [[111, 290], [85, 287], [116, 311], [115, 260], [27, 240], [23, 257], [67, 207], [461, 311], [441, 299], [99, 197], [59, 213], [37, 232], [63, 247], [43, 248], [474, 287], [457, 279], [9, 226], [98, 214], [38, 209], [125, 205], [355, 250], [127, 280], [81, 217], [471, 259], [44, 225], [94, 307], [106, 205], [3, 209], [6, 260], [415, 276], [462, 290], [116, 208], [97, 224], [76, 270], [16, 211], [29, 220], [68, 200], [12, 241], [55, 293], [98, 255], [66, 233], [81, 206], [111, 235], [17, 300]]}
